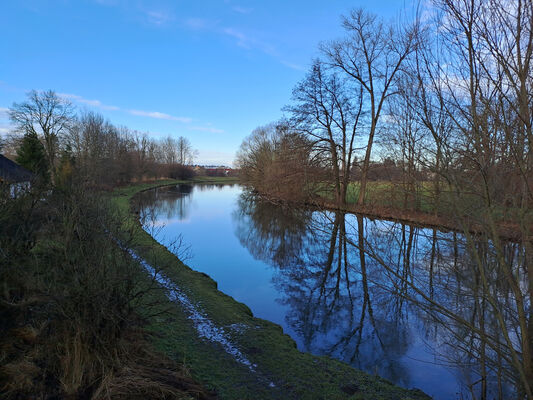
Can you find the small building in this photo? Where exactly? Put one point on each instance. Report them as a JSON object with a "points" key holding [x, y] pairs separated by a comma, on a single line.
{"points": [[16, 177]]}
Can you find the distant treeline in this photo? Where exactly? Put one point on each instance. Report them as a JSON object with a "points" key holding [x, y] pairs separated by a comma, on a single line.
{"points": [[54, 142]]}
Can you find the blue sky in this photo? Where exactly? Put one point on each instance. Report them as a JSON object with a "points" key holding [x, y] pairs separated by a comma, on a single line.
{"points": [[209, 70]]}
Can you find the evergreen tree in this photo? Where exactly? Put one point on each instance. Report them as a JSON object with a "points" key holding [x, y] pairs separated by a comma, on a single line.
{"points": [[31, 155]]}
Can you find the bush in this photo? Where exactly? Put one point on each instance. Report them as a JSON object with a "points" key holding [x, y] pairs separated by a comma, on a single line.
{"points": [[70, 304], [178, 171]]}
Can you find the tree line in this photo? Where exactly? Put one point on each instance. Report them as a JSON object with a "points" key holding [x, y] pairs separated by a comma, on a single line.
{"points": [[54, 141], [447, 97]]}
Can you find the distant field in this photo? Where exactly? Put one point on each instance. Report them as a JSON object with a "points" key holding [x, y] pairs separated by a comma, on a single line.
{"points": [[394, 195]]}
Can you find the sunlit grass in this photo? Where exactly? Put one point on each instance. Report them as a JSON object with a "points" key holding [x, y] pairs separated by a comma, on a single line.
{"points": [[450, 202]]}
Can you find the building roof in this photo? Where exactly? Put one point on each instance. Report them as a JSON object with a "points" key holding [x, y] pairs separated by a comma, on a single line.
{"points": [[11, 172]]}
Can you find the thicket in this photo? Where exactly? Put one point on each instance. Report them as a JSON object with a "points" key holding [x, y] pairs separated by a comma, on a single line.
{"points": [[75, 306], [277, 162]]}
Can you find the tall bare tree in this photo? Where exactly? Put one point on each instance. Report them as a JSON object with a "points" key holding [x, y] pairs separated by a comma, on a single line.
{"points": [[328, 113], [372, 55], [484, 86], [185, 151], [48, 116], [177, 151]]}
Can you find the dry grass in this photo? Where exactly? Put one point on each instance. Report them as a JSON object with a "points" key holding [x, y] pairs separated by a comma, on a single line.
{"points": [[70, 306]]}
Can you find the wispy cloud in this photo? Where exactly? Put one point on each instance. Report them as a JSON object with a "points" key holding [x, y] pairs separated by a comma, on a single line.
{"points": [[242, 39], [250, 42], [197, 24], [139, 113], [202, 24], [5, 130], [92, 103], [246, 40], [143, 10], [3, 112], [296, 67], [158, 18], [242, 10], [160, 115]]}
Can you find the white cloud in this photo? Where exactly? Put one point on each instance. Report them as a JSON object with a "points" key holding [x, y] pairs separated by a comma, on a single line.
{"points": [[92, 103], [250, 42], [3, 112], [140, 113], [296, 67], [160, 115], [5, 130], [145, 14], [242, 39]]}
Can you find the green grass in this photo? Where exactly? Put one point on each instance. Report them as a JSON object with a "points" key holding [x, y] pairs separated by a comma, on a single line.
{"points": [[295, 375], [393, 195], [388, 194]]}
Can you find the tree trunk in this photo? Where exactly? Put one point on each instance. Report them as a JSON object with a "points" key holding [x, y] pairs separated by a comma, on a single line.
{"points": [[366, 166]]}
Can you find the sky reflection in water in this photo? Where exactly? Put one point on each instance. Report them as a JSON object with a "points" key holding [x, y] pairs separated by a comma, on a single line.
{"points": [[303, 271]]}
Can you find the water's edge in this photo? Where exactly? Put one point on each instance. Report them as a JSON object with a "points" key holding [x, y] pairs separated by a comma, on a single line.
{"points": [[274, 368]]}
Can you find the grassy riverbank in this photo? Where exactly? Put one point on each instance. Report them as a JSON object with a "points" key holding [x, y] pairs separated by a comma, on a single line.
{"points": [[390, 201], [240, 357]]}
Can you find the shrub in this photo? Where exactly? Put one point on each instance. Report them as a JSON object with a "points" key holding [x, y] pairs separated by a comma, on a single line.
{"points": [[178, 171], [73, 305]]}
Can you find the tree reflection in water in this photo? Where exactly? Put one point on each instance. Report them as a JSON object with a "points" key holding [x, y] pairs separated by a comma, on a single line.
{"points": [[170, 202], [361, 290], [173, 202]]}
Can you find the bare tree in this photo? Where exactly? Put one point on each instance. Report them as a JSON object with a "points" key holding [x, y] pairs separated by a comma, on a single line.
{"points": [[169, 150], [47, 115], [404, 138], [325, 113], [372, 55], [185, 151], [483, 84], [277, 162], [177, 151]]}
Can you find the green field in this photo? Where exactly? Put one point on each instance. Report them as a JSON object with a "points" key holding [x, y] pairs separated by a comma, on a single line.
{"points": [[450, 203]]}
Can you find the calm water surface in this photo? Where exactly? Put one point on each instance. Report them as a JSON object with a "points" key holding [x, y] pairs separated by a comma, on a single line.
{"points": [[306, 272]]}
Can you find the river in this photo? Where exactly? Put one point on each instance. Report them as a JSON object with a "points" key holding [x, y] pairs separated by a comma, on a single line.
{"points": [[388, 298]]}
